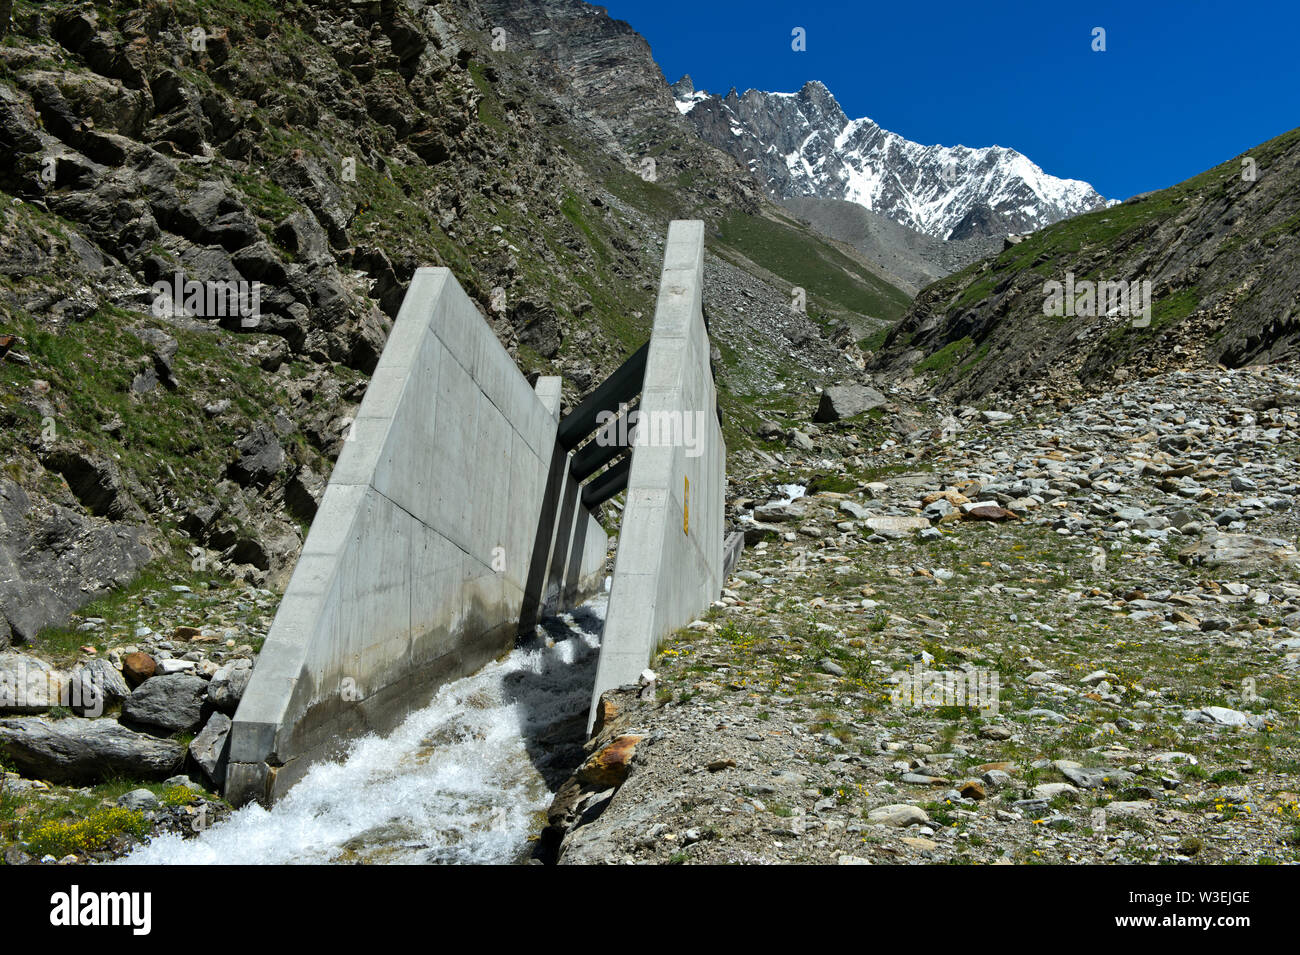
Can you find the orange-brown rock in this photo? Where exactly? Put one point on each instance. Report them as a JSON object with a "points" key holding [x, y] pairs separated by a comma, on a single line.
{"points": [[972, 789], [606, 711], [610, 766], [952, 497], [138, 667]]}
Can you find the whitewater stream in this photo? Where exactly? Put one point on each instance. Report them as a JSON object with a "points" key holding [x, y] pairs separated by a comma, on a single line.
{"points": [[462, 781]]}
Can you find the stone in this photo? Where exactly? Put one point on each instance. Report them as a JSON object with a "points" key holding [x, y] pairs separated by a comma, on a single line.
{"points": [[1218, 548], [227, 685], [138, 667], [896, 527], [988, 512], [209, 748], [173, 703], [30, 685], [1223, 716], [845, 401], [606, 709], [83, 751], [801, 441], [1050, 791], [972, 789], [96, 482], [899, 815], [921, 845], [611, 764], [997, 779], [854, 510], [260, 457], [140, 800], [166, 667], [99, 680], [1094, 778]]}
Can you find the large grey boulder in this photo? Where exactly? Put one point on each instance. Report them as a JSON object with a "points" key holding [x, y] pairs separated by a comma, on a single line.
{"points": [[845, 401], [82, 751], [173, 702]]}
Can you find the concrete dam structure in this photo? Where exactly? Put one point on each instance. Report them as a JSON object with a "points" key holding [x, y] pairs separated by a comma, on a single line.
{"points": [[670, 553], [462, 509]]}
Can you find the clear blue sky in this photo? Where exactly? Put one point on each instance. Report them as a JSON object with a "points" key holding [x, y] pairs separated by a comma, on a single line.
{"points": [[1181, 86]]}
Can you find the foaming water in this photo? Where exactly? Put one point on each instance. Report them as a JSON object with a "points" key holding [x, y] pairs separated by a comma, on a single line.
{"points": [[789, 493], [461, 781]]}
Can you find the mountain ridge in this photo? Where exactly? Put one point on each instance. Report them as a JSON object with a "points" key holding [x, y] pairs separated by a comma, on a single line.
{"points": [[802, 144]]}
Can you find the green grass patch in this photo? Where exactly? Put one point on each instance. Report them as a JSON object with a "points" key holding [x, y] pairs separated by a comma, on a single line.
{"points": [[808, 263]]}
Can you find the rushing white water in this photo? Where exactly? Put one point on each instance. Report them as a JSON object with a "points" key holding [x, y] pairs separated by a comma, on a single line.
{"points": [[790, 492], [460, 781]]}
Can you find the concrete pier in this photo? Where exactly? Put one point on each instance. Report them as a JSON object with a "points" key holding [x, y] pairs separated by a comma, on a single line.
{"points": [[669, 566], [449, 524]]}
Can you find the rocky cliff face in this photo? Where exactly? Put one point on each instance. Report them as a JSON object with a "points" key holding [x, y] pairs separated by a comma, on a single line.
{"points": [[307, 158], [802, 144], [1219, 252]]}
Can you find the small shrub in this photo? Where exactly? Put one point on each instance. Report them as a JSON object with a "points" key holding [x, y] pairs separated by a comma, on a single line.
{"points": [[93, 832]]}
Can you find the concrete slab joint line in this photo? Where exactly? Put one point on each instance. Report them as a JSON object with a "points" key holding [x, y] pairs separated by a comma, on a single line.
{"points": [[450, 523], [668, 571]]}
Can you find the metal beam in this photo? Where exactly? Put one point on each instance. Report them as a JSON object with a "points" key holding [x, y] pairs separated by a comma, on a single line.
{"points": [[594, 455], [612, 480], [623, 385]]}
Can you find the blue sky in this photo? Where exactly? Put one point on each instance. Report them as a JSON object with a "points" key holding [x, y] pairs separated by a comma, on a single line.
{"points": [[1181, 86]]}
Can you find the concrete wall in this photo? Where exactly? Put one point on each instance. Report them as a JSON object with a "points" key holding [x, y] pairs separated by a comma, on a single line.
{"points": [[668, 569], [448, 525]]}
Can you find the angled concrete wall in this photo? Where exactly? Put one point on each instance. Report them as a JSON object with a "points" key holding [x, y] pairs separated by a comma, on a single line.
{"points": [[669, 564], [448, 525]]}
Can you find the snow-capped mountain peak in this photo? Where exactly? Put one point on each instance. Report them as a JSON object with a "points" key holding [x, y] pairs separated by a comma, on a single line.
{"points": [[803, 144]]}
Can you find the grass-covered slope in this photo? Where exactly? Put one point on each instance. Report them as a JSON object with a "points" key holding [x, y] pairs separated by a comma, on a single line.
{"points": [[1221, 253]]}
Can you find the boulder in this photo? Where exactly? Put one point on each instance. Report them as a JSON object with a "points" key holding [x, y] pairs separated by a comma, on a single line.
{"points": [[140, 800], [845, 401], [1218, 548], [609, 766], [173, 703], [895, 526], [84, 751], [98, 685], [260, 457], [96, 482]]}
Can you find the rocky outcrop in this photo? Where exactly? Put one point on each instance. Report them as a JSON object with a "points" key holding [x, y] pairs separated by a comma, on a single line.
{"points": [[53, 558], [1218, 254]]}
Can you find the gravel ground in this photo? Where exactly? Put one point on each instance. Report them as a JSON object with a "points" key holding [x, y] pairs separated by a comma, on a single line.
{"points": [[1106, 589]]}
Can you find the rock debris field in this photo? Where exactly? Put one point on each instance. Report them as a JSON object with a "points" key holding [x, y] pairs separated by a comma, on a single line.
{"points": [[1120, 569]]}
